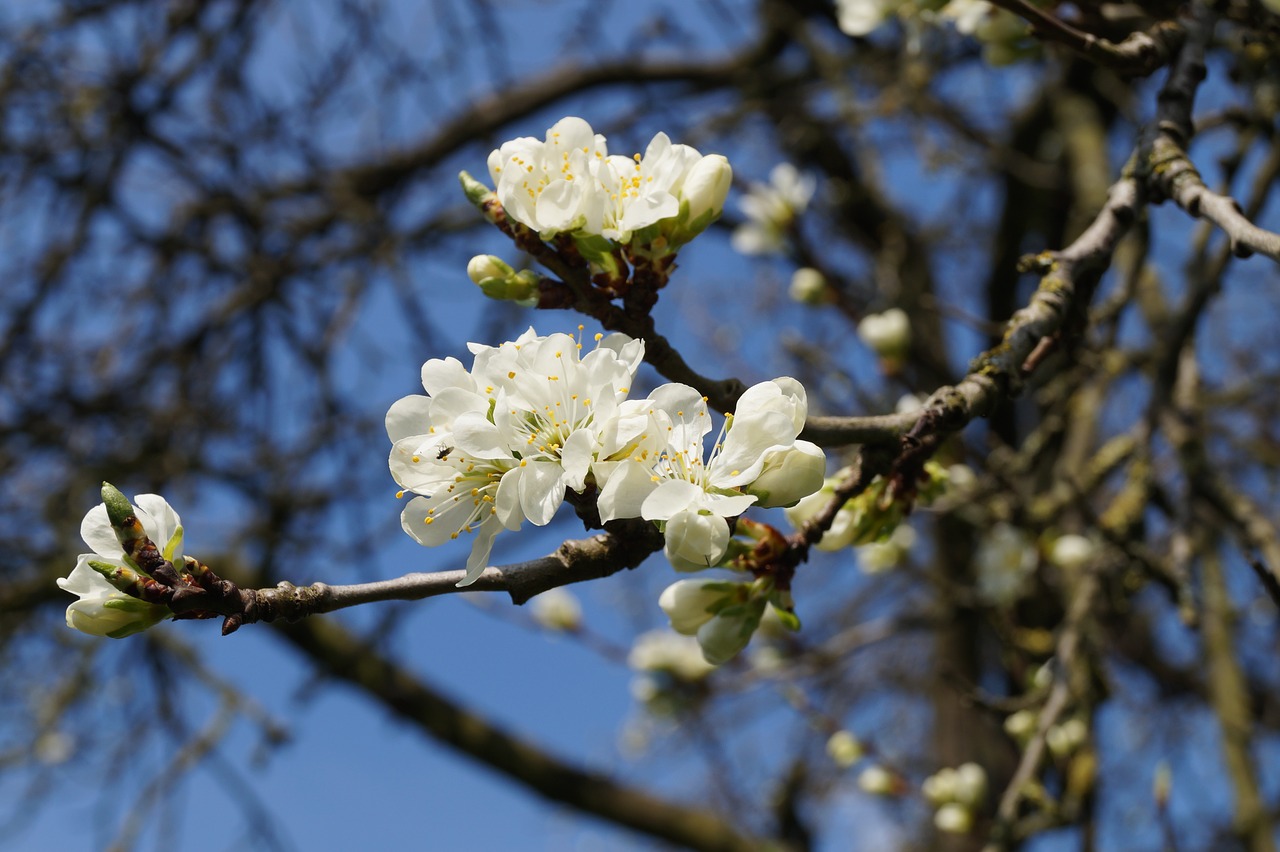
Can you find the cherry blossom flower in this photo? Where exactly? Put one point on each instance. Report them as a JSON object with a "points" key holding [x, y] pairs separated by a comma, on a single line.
{"points": [[692, 498], [569, 183], [771, 209], [497, 445], [102, 610]]}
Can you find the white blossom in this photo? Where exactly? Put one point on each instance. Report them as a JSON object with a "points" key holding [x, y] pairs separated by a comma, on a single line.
{"points": [[953, 818], [103, 610], [887, 334], [557, 609], [692, 497], [569, 182], [808, 286], [500, 444], [729, 631], [771, 209], [877, 780], [670, 652], [843, 748], [1071, 552], [1004, 559], [687, 603]]}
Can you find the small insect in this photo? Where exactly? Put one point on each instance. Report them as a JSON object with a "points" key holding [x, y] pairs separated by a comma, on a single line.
{"points": [[444, 451]]}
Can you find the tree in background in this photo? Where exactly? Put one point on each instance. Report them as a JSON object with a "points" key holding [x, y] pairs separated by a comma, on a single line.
{"points": [[1013, 260]]}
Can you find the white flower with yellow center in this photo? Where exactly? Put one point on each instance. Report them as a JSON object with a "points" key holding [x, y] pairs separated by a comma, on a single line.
{"points": [[692, 497], [551, 185], [501, 444], [569, 183]]}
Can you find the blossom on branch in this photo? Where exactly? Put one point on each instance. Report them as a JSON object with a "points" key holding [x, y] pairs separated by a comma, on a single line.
{"points": [[569, 183], [771, 210], [102, 609], [692, 497], [497, 445]]}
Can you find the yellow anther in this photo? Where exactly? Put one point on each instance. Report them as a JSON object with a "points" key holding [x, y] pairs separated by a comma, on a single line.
{"points": [[415, 459], [399, 495], [428, 520], [511, 374]]}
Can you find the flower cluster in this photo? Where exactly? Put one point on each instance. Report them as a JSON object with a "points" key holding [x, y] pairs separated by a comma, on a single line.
{"points": [[956, 794], [102, 609], [491, 447], [570, 183]]}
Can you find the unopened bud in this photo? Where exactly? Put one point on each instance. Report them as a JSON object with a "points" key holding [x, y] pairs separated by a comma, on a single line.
{"points": [[705, 189], [887, 334], [1021, 725], [485, 266], [688, 603], [953, 818], [971, 784], [557, 609], [844, 748], [809, 287], [498, 280], [1071, 552], [477, 193], [878, 781]]}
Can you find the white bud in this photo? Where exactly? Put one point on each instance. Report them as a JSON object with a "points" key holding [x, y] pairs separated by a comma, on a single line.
{"points": [[1064, 739], [706, 187], [1071, 552], [808, 286], [557, 609], [908, 403], [724, 636], [971, 784], [887, 334], [1021, 725], [844, 748], [664, 651], [482, 267], [789, 475], [953, 818], [940, 787], [686, 603], [877, 780]]}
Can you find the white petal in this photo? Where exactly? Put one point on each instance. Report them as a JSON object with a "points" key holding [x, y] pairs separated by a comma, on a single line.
{"points": [[625, 492], [695, 541], [96, 531], [480, 550], [410, 415], [541, 491], [672, 497]]}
